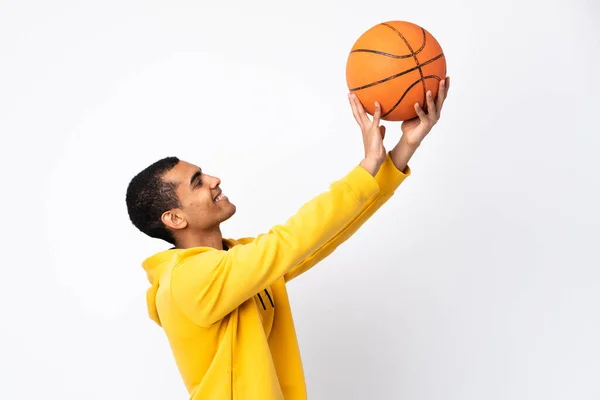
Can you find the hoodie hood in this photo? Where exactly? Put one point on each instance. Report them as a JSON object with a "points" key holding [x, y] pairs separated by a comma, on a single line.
{"points": [[154, 266]]}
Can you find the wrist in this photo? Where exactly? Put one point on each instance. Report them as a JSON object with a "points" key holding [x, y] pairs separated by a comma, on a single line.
{"points": [[402, 153], [404, 142], [371, 165]]}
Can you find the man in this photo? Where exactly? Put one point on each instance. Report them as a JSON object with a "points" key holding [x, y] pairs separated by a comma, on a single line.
{"points": [[223, 302]]}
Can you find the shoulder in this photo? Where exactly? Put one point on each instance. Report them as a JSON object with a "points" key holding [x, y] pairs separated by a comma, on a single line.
{"points": [[239, 241]]}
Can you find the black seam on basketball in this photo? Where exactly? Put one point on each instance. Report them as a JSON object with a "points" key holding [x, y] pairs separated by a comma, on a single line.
{"points": [[424, 41], [408, 89], [381, 53], [398, 33], [432, 59], [413, 54], [389, 78]]}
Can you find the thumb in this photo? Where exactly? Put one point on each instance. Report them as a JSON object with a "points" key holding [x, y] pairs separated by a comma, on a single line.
{"points": [[382, 131]]}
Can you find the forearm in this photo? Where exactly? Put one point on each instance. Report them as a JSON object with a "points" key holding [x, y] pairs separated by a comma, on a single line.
{"points": [[402, 153], [388, 179]]}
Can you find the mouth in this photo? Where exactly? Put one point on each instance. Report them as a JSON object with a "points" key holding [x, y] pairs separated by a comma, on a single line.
{"points": [[219, 197]]}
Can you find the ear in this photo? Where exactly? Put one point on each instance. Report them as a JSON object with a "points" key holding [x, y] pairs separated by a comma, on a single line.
{"points": [[174, 219]]}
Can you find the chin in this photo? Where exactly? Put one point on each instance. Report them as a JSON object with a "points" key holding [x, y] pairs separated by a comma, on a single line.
{"points": [[230, 212]]}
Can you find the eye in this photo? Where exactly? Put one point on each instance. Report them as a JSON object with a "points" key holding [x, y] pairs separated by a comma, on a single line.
{"points": [[198, 182]]}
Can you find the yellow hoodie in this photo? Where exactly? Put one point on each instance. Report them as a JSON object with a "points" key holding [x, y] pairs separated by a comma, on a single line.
{"points": [[226, 313]]}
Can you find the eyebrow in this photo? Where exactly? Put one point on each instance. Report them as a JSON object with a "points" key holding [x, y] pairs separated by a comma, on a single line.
{"points": [[196, 175]]}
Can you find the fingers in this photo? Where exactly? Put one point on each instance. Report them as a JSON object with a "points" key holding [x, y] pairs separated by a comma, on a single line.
{"points": [[431, 109], [442, 94], [361, 115], [355, 111], [377, 114], [382, 131], [361, 112], [420, 113]]}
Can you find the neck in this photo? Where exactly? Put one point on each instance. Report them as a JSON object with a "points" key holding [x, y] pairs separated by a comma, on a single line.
{"points": [[209, 238]]}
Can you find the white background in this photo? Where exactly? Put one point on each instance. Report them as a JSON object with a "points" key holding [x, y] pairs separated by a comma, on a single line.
{"points": [[479, 280]]}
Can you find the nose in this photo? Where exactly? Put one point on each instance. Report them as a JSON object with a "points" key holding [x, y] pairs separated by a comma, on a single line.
{"points": [[214, 182]]}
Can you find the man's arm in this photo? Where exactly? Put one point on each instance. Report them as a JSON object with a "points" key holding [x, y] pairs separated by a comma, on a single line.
{"points": [[209, 285], [388, 179], [391, 174]]}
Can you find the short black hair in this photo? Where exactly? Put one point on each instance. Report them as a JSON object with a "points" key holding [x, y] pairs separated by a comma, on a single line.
{"points": [[149, 196]]}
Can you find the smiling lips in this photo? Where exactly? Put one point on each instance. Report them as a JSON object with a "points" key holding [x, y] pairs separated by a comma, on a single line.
{"points": [[220, 197]]}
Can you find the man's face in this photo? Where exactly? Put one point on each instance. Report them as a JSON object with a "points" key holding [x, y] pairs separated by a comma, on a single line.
{"points": [[203, 206]]}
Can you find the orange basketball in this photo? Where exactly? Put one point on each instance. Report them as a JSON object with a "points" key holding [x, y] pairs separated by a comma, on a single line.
{"points": [[395, 63]]}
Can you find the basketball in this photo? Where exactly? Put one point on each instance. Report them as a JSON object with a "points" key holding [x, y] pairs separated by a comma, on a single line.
{"points": [[395, 63]]}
